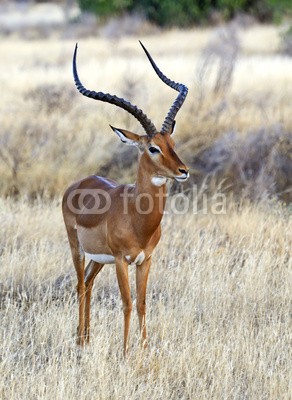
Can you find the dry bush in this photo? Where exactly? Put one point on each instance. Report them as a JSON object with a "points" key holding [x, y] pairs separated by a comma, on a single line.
{"points": [[218, 61], [254, 164], [48, 145], [51, 98], [257, 166]]}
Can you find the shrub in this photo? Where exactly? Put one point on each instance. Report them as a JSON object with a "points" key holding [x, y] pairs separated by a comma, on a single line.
{"points": [[105, 7], [173, 13], [187, 12], [256, 166]]}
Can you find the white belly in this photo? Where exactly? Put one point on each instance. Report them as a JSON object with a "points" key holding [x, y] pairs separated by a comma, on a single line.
{"points": [[101, 258], [109, 259]]}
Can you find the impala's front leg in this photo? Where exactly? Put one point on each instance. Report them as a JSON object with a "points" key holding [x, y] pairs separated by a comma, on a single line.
{"points": [[92, 269], [142, 272], [123, 280]]}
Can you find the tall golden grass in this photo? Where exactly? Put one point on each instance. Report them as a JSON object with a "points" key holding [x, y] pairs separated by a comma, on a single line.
{"points": [[219, 299]]}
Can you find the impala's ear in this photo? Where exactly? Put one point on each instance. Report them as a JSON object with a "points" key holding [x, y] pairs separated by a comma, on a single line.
{"points": [[127, 137], [172, 128]]}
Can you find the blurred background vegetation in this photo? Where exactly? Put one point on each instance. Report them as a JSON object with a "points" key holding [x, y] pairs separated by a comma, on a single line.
{"points": [[235, 129], [186, 13]]}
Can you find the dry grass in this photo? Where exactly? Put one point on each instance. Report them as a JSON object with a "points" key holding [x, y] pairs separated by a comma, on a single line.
{"points": [[219, 291], [219, 299]]}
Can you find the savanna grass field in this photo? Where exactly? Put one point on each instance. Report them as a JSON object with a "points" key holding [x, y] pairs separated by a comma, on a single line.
{"points": [[219, 292]]}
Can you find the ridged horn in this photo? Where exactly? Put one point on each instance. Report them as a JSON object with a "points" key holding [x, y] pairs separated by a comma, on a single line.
{"points": [[179, 87], [112, 99]]}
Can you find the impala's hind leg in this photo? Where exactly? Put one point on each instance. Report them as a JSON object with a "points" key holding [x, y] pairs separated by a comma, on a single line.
{"points": [[79, 263], [92, 269], [79, 266]]}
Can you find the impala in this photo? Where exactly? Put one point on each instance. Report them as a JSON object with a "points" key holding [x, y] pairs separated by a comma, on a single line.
{"points": [[102, 229]]}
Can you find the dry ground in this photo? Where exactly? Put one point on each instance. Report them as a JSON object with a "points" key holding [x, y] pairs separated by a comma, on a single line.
{"points": [[219, 299]]}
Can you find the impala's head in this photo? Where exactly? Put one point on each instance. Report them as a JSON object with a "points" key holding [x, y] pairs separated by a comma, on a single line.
{"points": [[157, 147], [159, 152]]}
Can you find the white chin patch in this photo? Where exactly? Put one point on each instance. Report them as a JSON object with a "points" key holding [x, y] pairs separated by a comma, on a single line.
{"points": [[101, 258], [182, 178], [158, 180]]}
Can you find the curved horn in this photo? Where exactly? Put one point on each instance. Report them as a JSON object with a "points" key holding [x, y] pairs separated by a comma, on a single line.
{"points": [[117, 101], [182, 89]]}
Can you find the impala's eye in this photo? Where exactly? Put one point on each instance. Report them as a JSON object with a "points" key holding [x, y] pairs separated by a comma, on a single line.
{"points": [[154, 150]]}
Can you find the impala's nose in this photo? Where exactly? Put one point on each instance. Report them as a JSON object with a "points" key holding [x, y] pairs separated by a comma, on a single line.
{"points": [[184, 170], [184, 174]]}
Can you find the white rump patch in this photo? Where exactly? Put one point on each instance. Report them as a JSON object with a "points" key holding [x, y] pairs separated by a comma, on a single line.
{"points": [[158, 180], [101, 258]]}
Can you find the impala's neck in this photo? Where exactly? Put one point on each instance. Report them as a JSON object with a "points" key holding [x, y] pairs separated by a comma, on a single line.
{"points": [[150, 196]]}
